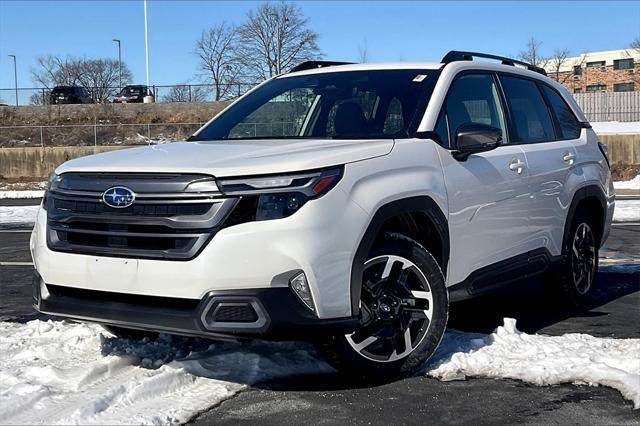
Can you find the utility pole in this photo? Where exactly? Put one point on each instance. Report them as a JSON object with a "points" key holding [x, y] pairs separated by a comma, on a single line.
{"points": [[146, 41], [119, 63], [15, 76]]}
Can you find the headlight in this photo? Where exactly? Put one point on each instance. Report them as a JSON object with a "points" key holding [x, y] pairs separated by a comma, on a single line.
{"points": [[52, 184], [277, 197]]}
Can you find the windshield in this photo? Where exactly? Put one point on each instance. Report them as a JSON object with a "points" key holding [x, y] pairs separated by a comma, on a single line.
{"points": [[131, 90], [337, 105]]}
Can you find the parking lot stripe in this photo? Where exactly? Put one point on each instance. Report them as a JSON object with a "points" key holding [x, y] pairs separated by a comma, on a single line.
{"points": [[16, 263]]}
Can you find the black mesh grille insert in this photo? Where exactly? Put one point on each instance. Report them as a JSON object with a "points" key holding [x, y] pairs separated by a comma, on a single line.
{"points": [[235, 312]]}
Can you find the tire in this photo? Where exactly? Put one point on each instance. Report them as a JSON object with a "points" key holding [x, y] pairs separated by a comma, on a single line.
{"points": [[404, 310], [129, 333], [574, 281]]}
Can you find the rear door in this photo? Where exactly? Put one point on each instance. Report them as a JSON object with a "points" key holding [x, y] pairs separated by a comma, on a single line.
{"points": [[547, 129], [488, 197]]}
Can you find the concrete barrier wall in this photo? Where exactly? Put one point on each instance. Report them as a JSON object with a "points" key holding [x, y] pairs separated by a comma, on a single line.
{"points": [[37, 162]]}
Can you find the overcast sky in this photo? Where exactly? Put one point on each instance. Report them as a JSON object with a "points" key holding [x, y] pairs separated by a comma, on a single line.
{"points": [[392, 30]]}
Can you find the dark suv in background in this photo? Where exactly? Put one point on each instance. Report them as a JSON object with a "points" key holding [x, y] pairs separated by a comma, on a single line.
{"points": [[69, 95], [131, 94]]}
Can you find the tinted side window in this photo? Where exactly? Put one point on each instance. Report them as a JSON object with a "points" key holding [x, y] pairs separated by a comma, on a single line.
{"points": [[473, 98], [569, 125], [529, 112]]}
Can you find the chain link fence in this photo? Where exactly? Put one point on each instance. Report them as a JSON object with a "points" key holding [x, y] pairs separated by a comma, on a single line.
{"points": [[94, 134]]}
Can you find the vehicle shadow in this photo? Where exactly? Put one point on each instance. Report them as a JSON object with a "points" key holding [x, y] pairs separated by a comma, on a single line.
{"points": [[536, 309]]}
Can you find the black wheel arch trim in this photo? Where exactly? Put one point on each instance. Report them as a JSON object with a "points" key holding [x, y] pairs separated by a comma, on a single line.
{"points": [[423, 204], [589, 191]]}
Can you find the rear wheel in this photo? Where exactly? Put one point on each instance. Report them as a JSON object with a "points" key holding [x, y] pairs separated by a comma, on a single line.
{"points": [[576, 278], [403, 313]]}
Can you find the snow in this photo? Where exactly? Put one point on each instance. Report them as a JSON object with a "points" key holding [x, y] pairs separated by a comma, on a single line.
{"points": [[616, 127], [627, 211], [58, 372], [18, 214], [628, 184], [21, 194], [541, 360]]}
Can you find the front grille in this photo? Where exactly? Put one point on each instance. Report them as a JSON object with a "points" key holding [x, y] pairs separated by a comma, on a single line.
{"points": [[166, 221]]}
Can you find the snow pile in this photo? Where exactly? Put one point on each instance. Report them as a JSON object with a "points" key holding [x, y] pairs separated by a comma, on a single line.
{"points": [[21, 194], [627, 211], [541, 360], [616, 127], [628, 184], [58, 372], [18, 214]]}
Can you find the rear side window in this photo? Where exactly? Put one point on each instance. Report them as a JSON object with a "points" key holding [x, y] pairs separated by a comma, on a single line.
{"points": [[529, 112], [569, 125]]}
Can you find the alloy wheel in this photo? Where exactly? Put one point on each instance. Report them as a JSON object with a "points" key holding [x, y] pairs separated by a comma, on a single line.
{"points": [[396, 309], [583, 258]]}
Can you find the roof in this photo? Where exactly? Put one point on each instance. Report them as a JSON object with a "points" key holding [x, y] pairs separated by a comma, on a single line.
{"points": [[370, 67]]}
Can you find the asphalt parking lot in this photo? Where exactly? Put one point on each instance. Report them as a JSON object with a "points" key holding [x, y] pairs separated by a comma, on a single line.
{"points": [[330, 399]]}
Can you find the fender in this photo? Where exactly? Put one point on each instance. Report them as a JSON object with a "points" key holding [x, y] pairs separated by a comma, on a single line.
{"points": [[581, 194], [406, 205]]}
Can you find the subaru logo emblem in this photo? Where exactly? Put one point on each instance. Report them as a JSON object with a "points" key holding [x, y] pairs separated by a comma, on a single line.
{"points": [[118, 197]]}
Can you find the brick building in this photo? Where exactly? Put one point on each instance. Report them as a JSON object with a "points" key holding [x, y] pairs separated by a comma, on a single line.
{"points": [[609, 71]]}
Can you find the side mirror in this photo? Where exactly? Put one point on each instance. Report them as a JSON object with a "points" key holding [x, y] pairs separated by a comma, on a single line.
{"points": [[472, 138]]}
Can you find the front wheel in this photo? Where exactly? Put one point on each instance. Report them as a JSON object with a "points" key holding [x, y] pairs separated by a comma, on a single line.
{"points": [[403, 313]]}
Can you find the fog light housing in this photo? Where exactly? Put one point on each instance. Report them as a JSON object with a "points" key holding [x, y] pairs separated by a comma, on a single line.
{"points": [[300, 287]]}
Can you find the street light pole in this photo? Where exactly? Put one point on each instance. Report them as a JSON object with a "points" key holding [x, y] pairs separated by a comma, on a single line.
{"points": [[119, 63], [15, 76], [146, 41]]}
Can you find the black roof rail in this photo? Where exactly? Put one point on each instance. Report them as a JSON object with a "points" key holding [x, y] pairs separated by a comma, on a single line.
{"points": [[455, 55], [308, 65]]}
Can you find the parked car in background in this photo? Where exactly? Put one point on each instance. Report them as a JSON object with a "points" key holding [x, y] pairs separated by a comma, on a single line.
{"points": [[69, 95], [132, 94]]}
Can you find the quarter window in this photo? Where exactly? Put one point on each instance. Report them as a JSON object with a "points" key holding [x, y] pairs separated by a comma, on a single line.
{"points": [[473, 98], [529, 112], [569, 125]]}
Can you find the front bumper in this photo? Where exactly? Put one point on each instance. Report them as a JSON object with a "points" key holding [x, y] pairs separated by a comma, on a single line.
{"points": [[267, 313]]}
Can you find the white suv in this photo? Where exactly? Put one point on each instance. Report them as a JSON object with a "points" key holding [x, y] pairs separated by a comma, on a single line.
{"points": [[346, 204]]}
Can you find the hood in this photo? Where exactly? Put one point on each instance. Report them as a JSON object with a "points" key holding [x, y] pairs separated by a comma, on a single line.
{"points": [[232, 158]]}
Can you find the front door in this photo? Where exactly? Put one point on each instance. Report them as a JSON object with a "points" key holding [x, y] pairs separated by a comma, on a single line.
{"points": [[488, 194]]}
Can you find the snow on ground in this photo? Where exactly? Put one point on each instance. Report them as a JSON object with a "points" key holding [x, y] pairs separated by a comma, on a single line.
{"points": [[21, 194], [628, 184], [58, 372], [541, 360], [616, 127], [18, 214], [627, 211]]}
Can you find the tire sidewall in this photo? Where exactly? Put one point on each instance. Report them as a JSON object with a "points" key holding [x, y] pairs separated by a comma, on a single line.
{"points": [[395, 244]]}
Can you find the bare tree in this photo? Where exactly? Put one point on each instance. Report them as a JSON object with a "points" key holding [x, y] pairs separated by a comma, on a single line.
{"points": [[363, 52], [557, 61], [217, 49], [531, 53], [186, 93], [99, 76], [635, 45], [275, 38]]}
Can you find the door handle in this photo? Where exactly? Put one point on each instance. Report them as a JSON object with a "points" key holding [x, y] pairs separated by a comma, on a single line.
{"points": [[568, 157], [517, 166]]}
